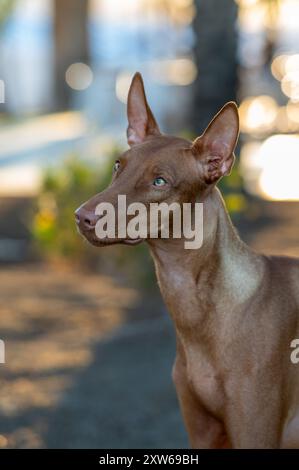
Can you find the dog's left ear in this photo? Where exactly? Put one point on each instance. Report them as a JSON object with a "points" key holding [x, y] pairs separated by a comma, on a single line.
{"points": [[215, 147], [141, 119]]}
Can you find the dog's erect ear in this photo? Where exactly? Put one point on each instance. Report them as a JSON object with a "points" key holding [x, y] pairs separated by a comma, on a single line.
{"points": [[215, 147], [141, 119]]}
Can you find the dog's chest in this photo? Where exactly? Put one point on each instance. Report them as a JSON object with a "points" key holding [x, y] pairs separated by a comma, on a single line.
{"points": [[180, 296], [185, 306], [204, 378]]}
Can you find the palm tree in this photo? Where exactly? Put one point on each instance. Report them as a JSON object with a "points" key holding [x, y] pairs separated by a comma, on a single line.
{"points": [[71, 43], [215, 54]]}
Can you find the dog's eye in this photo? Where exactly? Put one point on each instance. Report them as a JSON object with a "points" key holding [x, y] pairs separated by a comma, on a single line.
{"points": [[116, 165], [159, 181]]}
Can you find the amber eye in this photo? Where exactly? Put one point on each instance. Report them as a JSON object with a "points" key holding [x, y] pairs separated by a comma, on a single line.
{"points": [[116, 165], [159, 181]]}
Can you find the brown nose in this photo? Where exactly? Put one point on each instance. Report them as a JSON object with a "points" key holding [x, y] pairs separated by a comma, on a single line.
{"points": [[85, 219]]}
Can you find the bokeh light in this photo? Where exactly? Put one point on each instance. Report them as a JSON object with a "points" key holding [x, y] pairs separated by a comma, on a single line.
{"points": [[283, 121], [258, 114], [180, 72], [278, 66], [273, 167], [279, 177], [79, 76], [289, 14], [290, 85], [293, 112], [252, 16]]}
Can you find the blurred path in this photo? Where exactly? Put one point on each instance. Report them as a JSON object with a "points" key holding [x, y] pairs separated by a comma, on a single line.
{"points": [[30, 146], [126, 398], [49, 321], [89, 361]]}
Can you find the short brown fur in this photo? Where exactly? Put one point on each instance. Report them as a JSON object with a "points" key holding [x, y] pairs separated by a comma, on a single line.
{"points": [[235, 312]]}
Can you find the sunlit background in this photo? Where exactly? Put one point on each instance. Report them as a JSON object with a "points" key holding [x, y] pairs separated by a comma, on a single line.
{"points": [[47, 66], [85, 330], [156, 37], [269, 105]]}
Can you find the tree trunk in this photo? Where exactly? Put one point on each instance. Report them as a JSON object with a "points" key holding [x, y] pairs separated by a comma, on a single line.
{"points": [[215, 55], [71, 43]]}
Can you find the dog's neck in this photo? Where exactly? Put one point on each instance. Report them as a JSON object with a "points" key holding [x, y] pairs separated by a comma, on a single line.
{"points": [[223, 265]]}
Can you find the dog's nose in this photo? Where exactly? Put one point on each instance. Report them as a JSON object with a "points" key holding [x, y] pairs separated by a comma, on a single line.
{"points": [[86, 219]]}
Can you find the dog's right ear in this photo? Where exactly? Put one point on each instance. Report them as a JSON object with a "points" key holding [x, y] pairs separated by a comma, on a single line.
{"points": [[141, 119]]}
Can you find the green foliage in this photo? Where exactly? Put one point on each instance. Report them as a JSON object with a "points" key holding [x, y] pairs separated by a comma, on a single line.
{"points": [[53, 227], [63, 190], [233, 193]]}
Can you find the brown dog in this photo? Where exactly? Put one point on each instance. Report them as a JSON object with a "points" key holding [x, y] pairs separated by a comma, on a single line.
{"points": [[235, 312]]}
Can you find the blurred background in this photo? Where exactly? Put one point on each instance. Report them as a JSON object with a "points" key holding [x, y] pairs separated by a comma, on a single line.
{"points": [[89, 345]]}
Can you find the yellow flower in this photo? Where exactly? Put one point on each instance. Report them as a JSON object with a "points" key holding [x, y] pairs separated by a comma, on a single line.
{"points": [[44, 220], [235, 202]]}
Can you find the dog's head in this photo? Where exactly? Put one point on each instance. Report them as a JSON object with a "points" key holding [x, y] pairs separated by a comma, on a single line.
{"points": [[160, 168]]}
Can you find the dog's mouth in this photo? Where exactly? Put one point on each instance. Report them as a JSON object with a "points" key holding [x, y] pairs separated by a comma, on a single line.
{"points": [[91, 237]]}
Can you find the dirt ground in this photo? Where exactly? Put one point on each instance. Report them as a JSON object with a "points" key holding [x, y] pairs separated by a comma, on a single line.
{"points": [[88, 361], [82, 369]]}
